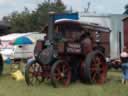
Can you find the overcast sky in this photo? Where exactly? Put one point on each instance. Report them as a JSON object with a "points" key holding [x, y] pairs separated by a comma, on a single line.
{"points": [[98, 6]]}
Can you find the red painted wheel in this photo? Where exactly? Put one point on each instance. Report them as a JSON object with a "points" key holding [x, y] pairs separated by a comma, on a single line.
{"points": [[95, 68], [33, 73], [60, 74]]}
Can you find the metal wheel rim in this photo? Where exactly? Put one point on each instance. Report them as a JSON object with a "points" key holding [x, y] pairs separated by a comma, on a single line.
{"points": [[35, 74]]}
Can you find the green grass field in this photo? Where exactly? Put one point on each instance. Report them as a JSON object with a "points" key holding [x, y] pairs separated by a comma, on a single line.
{"points": [[112, 87]]}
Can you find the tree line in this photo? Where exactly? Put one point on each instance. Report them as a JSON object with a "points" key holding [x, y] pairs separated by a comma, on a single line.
{"points": [[29, 21]]}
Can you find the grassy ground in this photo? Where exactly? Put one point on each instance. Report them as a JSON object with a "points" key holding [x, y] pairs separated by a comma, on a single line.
{"points": [[112, 87]]}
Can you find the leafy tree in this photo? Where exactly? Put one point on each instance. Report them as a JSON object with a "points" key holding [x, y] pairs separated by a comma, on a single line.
{"points": [[126, 9], [27, 21], [45, 7]]}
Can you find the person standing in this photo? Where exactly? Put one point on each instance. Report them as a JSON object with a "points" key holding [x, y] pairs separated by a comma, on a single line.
{"points": [[124, 65]]}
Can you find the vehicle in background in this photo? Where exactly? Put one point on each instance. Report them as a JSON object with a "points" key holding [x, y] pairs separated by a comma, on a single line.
{"points": [[8, 50]]}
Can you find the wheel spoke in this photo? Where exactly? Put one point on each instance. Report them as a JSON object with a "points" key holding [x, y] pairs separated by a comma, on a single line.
{"points": [[31, 70], [102, 68], [94, 76], [63, 68], [58, 77], [66, 71], [58, 70], [94, 61], [93, 69]]}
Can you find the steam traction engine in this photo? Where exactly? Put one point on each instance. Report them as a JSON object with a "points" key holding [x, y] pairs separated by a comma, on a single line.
{"points": [[67, 54]]}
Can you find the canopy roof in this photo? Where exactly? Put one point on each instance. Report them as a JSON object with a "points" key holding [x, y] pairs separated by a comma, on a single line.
{"points": [[83, 25]]}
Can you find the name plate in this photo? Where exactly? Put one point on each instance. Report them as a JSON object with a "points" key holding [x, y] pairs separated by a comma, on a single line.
{"points": [[73, 48]]}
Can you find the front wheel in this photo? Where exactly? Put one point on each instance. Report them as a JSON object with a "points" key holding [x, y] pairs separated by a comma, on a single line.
{"points": [[33, 73], [60, 74]]}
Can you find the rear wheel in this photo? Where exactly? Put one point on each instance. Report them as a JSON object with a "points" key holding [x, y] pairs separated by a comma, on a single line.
{"points": [[95, 68], [33, 73], [60, 74]]}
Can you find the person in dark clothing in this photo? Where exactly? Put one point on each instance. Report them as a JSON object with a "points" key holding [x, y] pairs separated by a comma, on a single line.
{"points": [[124, 65]]}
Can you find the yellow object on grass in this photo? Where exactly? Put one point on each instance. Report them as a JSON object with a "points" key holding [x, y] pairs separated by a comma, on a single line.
{"points": [[18, 75]]}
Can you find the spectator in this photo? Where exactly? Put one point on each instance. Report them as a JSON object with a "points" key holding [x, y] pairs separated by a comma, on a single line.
{"points": [[124, 65]]}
